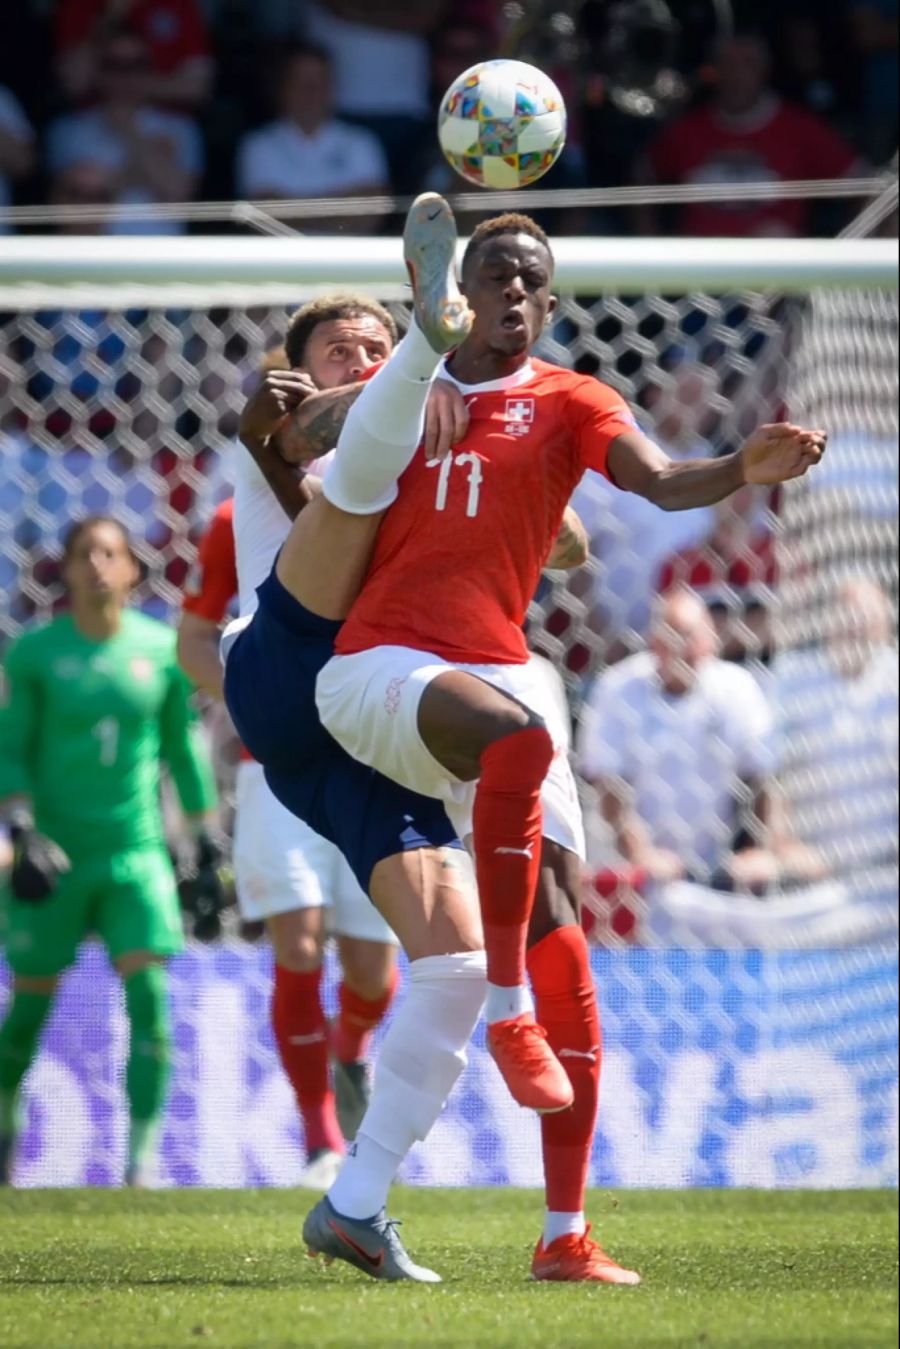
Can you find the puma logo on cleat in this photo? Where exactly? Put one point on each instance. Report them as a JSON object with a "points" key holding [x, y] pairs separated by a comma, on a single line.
{"points": [[373, 1261], [515, 852], [589, 1054]]}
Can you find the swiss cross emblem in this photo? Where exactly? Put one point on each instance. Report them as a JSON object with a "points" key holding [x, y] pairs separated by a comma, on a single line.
{"points": [[519, 416]]}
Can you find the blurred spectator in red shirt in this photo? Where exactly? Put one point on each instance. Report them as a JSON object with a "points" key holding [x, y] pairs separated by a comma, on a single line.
{"points": [[173, 30], [746, 134]]}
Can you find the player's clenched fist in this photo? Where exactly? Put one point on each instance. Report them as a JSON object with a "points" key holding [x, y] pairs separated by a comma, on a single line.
{"points": [[781, 451], [279, 393], [37, 862]]}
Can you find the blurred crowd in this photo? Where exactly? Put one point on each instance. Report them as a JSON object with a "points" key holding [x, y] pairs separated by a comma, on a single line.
{"points": [[104, 102]]}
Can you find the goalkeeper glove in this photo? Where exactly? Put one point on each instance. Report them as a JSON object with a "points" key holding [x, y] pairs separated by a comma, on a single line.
{"points": [[38, 862], [202, 884]]}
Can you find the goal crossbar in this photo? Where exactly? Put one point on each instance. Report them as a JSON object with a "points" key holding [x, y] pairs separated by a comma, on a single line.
{"points": [[157, 271]]}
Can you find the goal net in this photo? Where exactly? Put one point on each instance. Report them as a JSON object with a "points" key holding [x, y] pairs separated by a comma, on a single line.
{"points": [[120, 393]]}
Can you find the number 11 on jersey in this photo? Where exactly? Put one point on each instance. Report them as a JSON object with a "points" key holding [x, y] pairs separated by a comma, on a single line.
{"points": [[476, 477]]}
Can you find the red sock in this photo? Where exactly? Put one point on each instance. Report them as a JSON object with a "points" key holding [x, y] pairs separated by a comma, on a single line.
{"points": [[301, 1035], [357, 1018], [566, 1006], [506, 826]]}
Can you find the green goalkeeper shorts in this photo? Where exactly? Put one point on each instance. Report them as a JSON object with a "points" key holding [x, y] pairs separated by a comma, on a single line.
{"points": [[129, 901]]}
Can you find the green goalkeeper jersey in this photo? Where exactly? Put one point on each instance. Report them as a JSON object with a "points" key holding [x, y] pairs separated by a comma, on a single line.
{"points": [[86, 726]]}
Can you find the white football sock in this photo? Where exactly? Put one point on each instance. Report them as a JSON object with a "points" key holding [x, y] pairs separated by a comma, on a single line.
{"points": [[563, 1225], [365, 1178], [383, 429], [421, 1058], [502, 1004]]}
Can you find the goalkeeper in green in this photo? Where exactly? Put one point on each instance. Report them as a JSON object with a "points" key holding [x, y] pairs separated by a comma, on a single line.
{"points": [[94, 704]]}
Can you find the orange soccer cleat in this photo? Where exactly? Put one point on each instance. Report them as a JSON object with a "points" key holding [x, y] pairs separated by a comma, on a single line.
{"points": [[529, 1067], [574, 1259]]}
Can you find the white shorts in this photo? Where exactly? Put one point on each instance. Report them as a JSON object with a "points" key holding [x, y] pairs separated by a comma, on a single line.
{"points": [[370, 703], [281, 865]]}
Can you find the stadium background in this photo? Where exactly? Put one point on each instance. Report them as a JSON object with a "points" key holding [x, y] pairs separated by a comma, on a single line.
{"points": [[774, 1017]]}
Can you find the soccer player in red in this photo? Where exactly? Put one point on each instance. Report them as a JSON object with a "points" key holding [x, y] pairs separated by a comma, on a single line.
{"points": [[286, 876], [431, 685]]}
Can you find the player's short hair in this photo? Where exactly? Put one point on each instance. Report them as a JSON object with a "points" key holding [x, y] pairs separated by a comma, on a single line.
{"points": [[75, 531], [327, 308], [513, 222]]}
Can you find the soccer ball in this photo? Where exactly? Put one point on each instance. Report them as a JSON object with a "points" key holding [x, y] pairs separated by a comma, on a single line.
{"points": [[502, 124]]}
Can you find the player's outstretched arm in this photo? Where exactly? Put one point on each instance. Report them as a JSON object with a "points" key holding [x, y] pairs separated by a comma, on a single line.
{"points": [[571, 548], [773, 454]]}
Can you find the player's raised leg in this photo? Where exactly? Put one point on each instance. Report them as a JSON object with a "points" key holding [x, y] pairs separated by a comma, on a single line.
{"points": [[382, 431]]}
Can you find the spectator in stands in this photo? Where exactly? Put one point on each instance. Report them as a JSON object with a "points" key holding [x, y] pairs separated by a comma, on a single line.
{"points": [[874, 29], [17, 144], [680, 745], [380, 54], [733, 570], [174, 31], [154, 156], [747, 133], [837, 711], [307, 152]]}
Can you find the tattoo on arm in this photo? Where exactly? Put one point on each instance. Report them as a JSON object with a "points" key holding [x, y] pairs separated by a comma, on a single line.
{"points": [[314, 428]]}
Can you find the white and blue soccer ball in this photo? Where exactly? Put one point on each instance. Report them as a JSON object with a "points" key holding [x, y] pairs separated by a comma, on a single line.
{"points": [[502, 124]]}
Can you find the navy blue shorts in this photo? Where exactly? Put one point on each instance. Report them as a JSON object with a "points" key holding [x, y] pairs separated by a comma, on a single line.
{"points": [[270, 683]]}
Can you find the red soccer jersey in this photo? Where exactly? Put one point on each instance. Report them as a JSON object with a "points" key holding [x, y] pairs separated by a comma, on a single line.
{"points": [[785, 143], [459, 555], [174, 30], [213, 583]]}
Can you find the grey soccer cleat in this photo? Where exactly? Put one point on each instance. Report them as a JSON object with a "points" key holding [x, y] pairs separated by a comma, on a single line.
{"points": [[351, 1096], [7, 1144], [369, 1244], [429, 251]]}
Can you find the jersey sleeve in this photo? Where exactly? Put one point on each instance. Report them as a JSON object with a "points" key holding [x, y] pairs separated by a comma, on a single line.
{"points": [[19, 716], [183, 749], [213, 582], [597, 416]]}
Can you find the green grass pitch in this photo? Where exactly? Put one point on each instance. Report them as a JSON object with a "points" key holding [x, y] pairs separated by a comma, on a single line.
{"points": [[116, 1269]]}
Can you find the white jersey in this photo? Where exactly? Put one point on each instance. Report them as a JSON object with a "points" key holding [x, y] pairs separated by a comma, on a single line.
{"points": [[260, 525], [683, 756]]}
